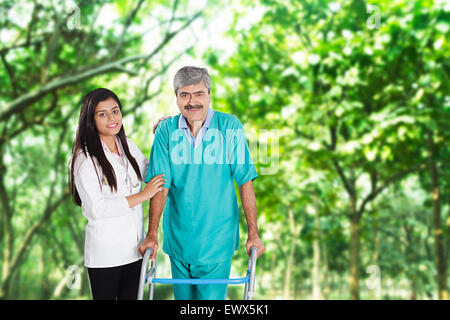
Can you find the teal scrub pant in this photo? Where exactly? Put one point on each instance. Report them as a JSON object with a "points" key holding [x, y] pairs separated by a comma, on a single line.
{"points": [[181, 270]]}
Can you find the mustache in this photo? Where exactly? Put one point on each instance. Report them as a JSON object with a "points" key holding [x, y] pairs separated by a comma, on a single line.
{"points": [[189, 106]]}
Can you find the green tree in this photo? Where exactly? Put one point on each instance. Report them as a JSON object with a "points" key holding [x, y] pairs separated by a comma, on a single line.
{"points": [[350, 94], [52, 54]]}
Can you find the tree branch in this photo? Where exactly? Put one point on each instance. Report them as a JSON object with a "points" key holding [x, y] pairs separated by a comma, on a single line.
{"points": [[17, 105], [50, 208], [169, 35], [304, 135], [145, 94], [395, 177], [344, 179], [51, 48], [22, 102], [9, 70], [34, 228], [36, 121], [126, 25]]}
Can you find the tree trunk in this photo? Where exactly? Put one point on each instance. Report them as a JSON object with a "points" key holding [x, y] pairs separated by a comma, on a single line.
{"points": [[317, 294], [273, 282], [411, 257], [439, 257], [6, 215], [288, 272], [325, 272], [376, 245], [45, 293], [413, 295], [295, 232], [16, 261], [354, 249]]}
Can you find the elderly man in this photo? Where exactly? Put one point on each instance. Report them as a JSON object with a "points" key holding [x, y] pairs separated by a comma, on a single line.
{"points": [[201, 152]]}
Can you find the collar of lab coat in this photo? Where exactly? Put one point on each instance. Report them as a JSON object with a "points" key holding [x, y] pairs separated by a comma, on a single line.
{"points": [[118, 144]]}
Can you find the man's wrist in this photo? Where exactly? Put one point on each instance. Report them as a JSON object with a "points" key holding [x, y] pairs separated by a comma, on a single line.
{"points": [[253, 234], [152, 236]]}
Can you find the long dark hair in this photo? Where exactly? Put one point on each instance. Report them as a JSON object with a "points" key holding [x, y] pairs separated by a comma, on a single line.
{"points": [[88, 141]]}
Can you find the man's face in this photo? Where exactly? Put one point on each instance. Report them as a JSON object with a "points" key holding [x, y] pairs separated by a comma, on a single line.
{"points": [[193, 101]]}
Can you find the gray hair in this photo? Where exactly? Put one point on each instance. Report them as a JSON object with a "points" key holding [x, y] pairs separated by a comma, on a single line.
{"points": [[189, 75]]}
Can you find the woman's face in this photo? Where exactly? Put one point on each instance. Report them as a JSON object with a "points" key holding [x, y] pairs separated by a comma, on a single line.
{"points": [[108, 118]]}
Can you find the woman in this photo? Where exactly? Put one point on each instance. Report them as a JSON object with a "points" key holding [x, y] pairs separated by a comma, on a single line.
{"points": [[105, 175]]}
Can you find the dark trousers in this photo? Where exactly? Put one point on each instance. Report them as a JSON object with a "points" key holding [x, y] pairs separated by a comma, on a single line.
{"points": [[113, 283]]}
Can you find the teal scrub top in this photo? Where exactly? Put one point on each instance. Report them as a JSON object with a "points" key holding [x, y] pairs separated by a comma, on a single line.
{"points": [[201, 214]]}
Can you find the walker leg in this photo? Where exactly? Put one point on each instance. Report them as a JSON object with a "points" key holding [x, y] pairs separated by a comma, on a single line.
{"points": [[252, 267], [151, 284], [246, 284], [148, 253], [150, 292]]}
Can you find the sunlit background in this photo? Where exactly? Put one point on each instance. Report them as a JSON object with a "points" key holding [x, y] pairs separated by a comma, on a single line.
{"points": [[346, 108]]}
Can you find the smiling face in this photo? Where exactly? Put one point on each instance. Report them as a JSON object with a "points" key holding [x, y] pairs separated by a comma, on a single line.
{"points": [[108, 118], [193, 101]]}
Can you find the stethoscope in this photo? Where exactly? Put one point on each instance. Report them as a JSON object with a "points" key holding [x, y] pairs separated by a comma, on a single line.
{"points": [[128, 179]]}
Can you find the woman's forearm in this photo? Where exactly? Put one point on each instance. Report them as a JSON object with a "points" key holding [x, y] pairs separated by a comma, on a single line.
{"points": [[135, 199]]}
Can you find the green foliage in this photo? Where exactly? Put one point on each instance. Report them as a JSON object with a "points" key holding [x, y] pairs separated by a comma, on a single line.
{"points": [[351, 105], [355, 104]]}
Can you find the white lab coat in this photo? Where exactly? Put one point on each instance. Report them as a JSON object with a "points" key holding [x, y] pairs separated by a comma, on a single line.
{"points": [[114, 231]]}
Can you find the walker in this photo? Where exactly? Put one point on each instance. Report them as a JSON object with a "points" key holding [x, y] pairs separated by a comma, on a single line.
{"points": [[149, 277]]}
